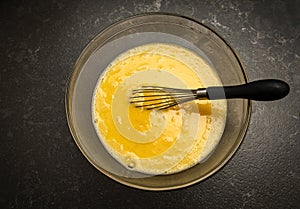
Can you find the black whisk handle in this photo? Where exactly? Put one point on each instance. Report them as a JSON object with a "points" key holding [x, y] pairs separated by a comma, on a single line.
{"points": [[260, 90]]}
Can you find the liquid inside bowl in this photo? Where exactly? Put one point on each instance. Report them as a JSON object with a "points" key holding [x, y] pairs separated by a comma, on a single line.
{"points": [[153, 141]]}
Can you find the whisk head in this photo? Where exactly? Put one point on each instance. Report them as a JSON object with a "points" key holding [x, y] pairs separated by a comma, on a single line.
{"points": [[156, 97]]}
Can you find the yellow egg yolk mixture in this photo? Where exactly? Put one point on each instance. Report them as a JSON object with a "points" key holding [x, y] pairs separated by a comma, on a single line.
{"points": [[157, 141]]}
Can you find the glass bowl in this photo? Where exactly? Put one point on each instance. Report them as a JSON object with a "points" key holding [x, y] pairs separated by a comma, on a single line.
{"points": [[136, 31]]}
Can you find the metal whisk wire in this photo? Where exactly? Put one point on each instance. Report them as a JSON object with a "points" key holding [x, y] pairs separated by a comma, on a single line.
{"points": [[155, 97]]}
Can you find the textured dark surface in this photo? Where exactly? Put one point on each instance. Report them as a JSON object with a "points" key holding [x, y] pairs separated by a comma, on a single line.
{"points": [[41, 167]]}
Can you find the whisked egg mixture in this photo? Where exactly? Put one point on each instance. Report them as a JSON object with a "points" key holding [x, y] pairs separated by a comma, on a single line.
{"points": [[157, 141]]}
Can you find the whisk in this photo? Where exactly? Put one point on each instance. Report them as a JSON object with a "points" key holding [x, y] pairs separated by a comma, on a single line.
{"points": [[156, 97]]}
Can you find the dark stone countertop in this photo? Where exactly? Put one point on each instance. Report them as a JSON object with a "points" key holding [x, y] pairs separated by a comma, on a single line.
{"points": [[41, 166]]}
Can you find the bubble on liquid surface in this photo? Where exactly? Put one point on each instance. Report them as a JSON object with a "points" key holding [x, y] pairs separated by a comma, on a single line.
{"points": [[130, 163]]}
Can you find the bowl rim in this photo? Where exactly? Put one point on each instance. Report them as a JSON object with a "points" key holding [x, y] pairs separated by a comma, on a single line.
{"points": [[71, 80]]}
